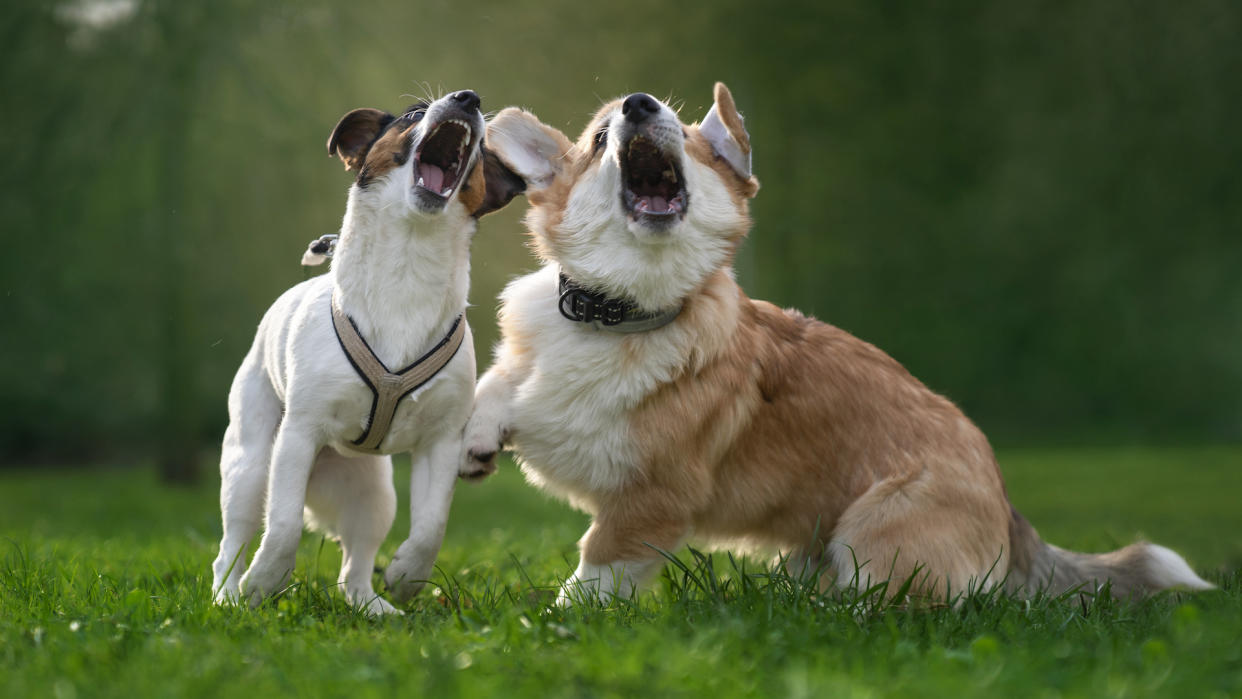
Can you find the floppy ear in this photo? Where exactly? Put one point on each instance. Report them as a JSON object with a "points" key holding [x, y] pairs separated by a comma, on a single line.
{"points": [[354, 135], [527, 147], [722, 127], [500, 183]]}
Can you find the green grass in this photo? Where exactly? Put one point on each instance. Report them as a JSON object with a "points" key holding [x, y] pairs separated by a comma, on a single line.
{"points": [[104, 591]]}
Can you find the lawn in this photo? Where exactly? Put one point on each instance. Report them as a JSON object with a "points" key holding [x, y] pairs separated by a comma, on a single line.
{"points": [[104, 591]]}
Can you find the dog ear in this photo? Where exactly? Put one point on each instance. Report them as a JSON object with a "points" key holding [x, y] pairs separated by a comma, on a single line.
{"points": [[722, 127], [500, 184], [526, 146], [354, 135]]}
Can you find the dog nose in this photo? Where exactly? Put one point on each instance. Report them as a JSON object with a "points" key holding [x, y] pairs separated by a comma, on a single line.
{"points": [[639, 107], [467, 100]]}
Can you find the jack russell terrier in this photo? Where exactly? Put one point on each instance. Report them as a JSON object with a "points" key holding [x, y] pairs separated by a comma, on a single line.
{"points": [[372, 358]]}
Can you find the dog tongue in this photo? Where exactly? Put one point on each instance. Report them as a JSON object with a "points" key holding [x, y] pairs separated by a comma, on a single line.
{"points": [[659, 204], [432, 176]]}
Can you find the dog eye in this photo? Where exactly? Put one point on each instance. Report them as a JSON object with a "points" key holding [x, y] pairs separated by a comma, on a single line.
{"points": [[416, 115], [601, 138]]}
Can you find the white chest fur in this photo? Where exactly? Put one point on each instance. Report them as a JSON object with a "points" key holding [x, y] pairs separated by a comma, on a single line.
{"points": [[302, 317], [570, 416]]}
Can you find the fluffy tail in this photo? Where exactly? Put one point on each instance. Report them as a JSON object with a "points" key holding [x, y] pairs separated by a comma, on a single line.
{"points": [[1137, 570]]}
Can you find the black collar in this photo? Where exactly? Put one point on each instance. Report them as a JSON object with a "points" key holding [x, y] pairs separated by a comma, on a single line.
{"points": [[594, 308]]}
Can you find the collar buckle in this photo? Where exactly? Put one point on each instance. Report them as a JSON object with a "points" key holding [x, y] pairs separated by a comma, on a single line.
{"points": [[595, 308], [582, 306]]}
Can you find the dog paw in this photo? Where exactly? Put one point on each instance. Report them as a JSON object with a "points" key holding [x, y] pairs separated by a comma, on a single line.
{"points": [[258, 585], [478, 465], [380, 607], [407, 574], [371, 603], [400, 586], [226, 597], [484, 438]]}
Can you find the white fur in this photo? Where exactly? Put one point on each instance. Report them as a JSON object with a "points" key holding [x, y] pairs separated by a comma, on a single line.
{"points": [[1170, 570], [296, 403], [604, 582], [563, 402], [602, 248]]}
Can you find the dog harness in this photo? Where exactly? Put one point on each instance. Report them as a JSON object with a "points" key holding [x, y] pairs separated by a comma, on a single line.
{"points": [[388, 388], [597, 310]]}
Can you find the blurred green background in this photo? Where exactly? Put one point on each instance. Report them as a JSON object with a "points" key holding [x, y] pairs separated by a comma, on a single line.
{"points": [[1035, 206]]}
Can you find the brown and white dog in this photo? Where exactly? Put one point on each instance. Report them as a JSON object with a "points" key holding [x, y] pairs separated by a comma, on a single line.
{"points": [[297, 406], [637, 380]]}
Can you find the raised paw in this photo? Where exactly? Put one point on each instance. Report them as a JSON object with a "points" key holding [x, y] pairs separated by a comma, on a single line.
{"points": [[478, 465]]}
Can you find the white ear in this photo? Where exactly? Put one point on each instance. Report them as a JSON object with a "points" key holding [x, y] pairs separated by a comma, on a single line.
{"points": [[527, 146], [722, 127]]}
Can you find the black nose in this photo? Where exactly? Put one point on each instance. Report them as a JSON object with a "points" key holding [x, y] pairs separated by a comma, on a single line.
{"points": [[467, 100], [639, 107]]}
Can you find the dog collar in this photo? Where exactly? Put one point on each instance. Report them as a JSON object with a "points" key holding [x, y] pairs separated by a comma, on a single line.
{"points": [[595, 309], [389, 387]]}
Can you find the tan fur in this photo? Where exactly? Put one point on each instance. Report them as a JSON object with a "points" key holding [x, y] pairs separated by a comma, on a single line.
{"points": [[792, 429], [548, 205], [730, 116], [698, 148], [389, 152], [785, 432], [474, 189]]}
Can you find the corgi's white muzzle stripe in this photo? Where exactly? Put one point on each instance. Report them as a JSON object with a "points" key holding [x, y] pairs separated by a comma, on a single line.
{"points": [[388, 387]]}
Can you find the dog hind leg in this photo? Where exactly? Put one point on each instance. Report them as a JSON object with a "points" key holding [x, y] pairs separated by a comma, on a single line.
{"points": [[254, 415], [946, 539], [353, 499]]}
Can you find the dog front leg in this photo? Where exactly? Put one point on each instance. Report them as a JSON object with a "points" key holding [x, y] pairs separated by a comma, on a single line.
{"points": [[432, 478], [489, 424], [618, 554], [292, 458]]}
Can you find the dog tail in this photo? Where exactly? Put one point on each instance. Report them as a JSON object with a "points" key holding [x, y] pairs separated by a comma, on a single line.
{"points": [[1138, 570]]}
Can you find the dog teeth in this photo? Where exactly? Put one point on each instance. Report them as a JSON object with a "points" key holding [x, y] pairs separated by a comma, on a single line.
{"points": [[420, 182], [462, 124], [670, 175]]}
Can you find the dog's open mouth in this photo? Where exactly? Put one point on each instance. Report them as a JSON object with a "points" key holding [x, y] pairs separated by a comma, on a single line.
{"points": [[441, 159], [652, 184]]}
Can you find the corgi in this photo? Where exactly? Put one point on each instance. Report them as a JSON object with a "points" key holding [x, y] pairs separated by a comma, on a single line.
{"points": [[636, 380], [315, 412]]}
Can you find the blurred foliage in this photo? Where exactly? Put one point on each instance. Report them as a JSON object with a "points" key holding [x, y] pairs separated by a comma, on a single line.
{"points": [[1035, 206]]}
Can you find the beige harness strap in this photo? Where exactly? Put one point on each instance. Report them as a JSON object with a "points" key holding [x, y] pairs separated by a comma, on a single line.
{"points": [[388, 388]]}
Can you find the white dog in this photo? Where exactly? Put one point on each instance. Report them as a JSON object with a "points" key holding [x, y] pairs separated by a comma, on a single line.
{"points": [[307, 430]]}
